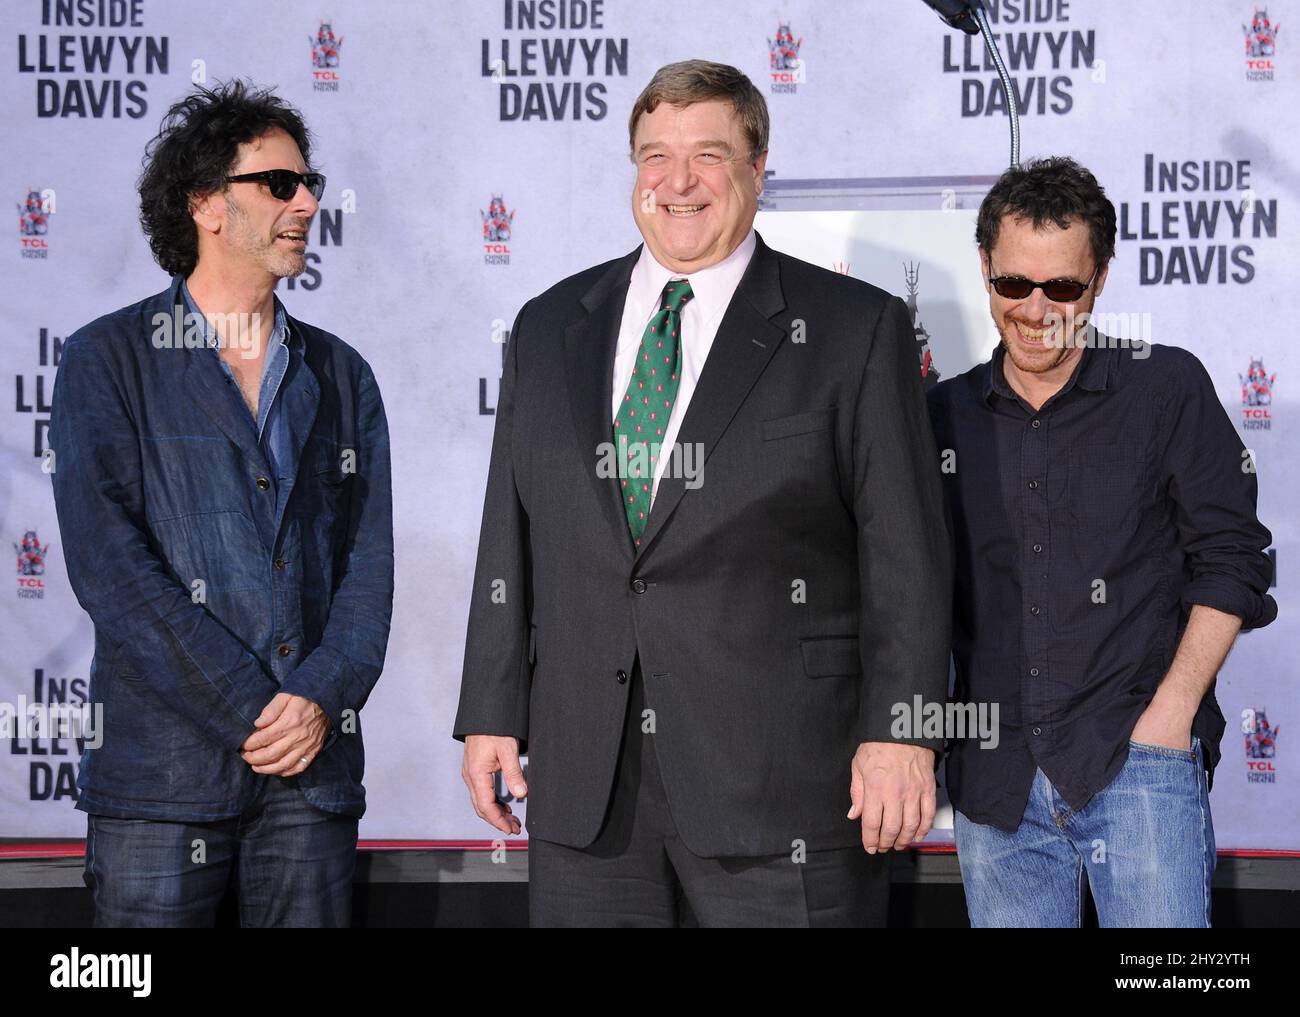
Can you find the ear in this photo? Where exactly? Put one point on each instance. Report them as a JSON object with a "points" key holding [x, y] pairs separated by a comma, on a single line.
{"points": [[208, 211], [1101, 281], [760, 167], [984, 269]]}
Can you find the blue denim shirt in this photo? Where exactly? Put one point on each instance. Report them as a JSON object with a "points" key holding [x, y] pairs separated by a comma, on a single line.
{"points": [[211, 587], [270, 425]]}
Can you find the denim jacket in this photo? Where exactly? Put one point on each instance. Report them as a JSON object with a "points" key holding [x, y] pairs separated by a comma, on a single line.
{"points": [[210, 591]]}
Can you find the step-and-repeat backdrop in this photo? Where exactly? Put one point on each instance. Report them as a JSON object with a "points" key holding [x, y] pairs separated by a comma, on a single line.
{"points": [[476, 153]]}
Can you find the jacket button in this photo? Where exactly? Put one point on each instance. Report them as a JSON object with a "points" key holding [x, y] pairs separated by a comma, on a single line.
{"points": [[279, 563], [1034, 609], [1033, 671], [263, 483], [621, 677], [638, 586], [284, 649], [1038, 549], [1038, 731]]}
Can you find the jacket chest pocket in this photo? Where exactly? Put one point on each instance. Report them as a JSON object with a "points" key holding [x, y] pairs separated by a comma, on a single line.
{"points": [[799, 445], [799, 424], [331, 472]]}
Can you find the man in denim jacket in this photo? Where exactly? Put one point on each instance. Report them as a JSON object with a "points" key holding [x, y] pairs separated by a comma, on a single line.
{"points": [[221, 473]]}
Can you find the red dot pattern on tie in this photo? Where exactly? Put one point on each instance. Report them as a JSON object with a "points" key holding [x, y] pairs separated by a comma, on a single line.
{"points": [[662, 331]]}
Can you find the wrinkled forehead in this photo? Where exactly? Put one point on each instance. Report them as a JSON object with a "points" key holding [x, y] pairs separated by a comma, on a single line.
{"points": [[690, 125]]}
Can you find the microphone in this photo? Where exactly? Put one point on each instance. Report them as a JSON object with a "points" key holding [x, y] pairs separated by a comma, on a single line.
{"points": [[958, 13]]}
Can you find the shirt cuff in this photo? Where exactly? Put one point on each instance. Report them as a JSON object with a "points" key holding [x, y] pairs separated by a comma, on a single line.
{"points": [[1254, 609]]}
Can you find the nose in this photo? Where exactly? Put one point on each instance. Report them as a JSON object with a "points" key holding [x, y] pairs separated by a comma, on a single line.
{"points": [[682, 178], [1035, 305], [304, 202]]}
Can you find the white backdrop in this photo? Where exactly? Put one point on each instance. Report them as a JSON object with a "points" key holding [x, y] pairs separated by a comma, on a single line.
{"points": [[434, 108]]}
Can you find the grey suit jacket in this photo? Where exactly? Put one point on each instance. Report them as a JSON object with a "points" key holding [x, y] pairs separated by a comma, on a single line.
{"points": [[779, 609]]}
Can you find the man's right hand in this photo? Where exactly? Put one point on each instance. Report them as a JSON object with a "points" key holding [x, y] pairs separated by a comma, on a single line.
{"points": [[485, 755]]}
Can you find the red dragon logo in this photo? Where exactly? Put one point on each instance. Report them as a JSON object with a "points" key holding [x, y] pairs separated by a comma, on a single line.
{"points": [[1261, 35], [784, 52], [1257, 385], [325, 48], [496, 220], [33, 220], [31, 555]]}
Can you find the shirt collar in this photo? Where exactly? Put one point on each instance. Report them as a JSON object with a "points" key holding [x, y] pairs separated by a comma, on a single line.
{"points": [[1098, 362], [280, 332], [711, 288], [1092, 372]]}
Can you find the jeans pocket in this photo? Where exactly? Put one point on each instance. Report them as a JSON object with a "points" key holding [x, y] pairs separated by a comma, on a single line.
{"points": [[1165, 750]]}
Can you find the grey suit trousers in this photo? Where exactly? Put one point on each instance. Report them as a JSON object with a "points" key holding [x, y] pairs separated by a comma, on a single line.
{"points": [[638, 873]]}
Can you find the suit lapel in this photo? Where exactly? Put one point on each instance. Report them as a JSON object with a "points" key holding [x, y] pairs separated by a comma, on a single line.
{"points": [[589, 347], [744, 345]]}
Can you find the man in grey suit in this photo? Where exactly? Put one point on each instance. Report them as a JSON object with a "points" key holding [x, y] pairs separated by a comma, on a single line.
{"points": [[702, 648]]}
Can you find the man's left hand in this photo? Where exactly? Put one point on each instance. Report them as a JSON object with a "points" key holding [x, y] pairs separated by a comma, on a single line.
{"points": [[290, 731], [1164, 724], [893, 791]]}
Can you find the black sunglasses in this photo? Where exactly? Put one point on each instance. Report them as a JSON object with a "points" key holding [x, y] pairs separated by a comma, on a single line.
{"points": [[1058, 291], [283, 183]]}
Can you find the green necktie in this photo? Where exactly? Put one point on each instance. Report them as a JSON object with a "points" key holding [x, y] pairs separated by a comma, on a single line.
{"points": [[643, 416]]}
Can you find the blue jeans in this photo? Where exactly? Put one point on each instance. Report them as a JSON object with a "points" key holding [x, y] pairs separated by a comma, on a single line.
{"points": [[290, 862], [1145, 843]]}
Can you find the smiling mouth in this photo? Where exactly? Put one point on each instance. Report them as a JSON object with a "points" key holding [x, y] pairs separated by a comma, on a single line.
{"points": [[684, 211], [293, 236], [1034, 336]]}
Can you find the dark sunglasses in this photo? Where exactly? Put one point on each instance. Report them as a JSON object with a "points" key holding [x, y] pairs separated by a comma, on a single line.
{"points": [[1058, 291], [283, 183]]}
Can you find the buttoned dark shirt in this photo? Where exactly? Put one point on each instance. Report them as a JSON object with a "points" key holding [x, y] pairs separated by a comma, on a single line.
{"points": [[1084, 532]]}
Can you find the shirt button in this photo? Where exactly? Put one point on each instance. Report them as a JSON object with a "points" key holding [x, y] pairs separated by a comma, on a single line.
{"points": [[638, 586], [1036, 423], [1033, 671], [1038, 730], [262, 483], [621, 677], [1034, 609], [1033, 485], [1038, 549], [284, 649], [279, 563]]}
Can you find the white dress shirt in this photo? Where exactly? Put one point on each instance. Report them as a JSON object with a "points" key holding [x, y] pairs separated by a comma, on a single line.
{"points": [[712, 289]]}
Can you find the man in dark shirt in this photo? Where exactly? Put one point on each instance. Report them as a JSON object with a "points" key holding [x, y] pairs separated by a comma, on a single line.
{"points": [[1108, 552]]}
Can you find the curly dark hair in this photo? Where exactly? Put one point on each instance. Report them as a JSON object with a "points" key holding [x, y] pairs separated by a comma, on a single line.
{"points": [[192, 154], [1055, 190]]}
